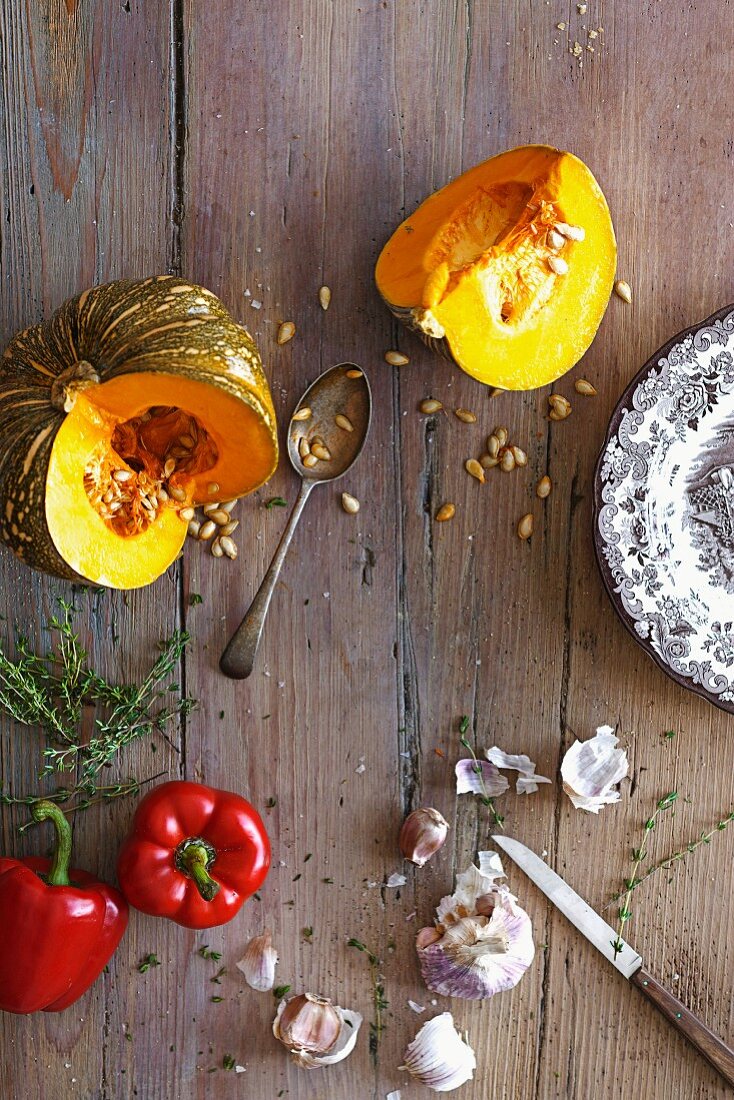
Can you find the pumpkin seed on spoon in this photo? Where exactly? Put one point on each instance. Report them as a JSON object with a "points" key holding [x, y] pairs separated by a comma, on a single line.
{"points": [[341, 394]]}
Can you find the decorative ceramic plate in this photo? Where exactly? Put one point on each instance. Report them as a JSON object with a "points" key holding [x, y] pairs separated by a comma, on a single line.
{"points": [[664, 508]]}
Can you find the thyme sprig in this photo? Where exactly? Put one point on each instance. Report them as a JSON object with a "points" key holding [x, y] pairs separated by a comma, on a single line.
{"points": [[52, 690], [484, 798], [638, 856], [379, 1001]]}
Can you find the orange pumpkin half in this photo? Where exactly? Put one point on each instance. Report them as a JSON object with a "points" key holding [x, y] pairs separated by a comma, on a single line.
{"points": [[508, 269], [133, 403]]}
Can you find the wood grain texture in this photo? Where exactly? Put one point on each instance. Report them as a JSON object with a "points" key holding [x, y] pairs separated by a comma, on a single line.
{"points": [[270, 148]]}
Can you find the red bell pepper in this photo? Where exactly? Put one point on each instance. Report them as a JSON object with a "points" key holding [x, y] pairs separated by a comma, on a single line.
{"points": [[58, 927], [194, 854]]}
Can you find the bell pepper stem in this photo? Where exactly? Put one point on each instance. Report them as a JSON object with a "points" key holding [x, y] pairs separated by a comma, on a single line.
{"points": [[58, 873], [194, 858]]}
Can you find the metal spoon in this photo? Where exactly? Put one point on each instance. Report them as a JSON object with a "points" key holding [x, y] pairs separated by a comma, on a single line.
{"points": [[341, 391]]}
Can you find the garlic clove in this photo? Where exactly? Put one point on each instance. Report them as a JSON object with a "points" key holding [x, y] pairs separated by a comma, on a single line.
{"points": [[591, 770], [315, 1031], [423, 833], [438, 1057], [258, 963], [479, 777], [482, 942], [527, 781]]}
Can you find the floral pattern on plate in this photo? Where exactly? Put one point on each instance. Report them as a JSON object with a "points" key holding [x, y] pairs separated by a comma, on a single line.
{"points": [[664, 508]]}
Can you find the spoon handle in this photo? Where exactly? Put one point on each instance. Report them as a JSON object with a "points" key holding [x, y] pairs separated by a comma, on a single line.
{"points": [[239, 656]]}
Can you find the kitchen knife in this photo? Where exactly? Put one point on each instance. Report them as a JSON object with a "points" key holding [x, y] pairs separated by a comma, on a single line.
{"points": [[627, 961]]}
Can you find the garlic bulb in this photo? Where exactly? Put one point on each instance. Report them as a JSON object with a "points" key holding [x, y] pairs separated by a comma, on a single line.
{"points": [[315, 1031], [591, 770], [438, 1057], [423, 833], [482, 941], [258, 963]]}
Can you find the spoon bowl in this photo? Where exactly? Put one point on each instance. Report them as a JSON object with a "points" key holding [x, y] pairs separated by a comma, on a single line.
{"points": [[326, 435]]}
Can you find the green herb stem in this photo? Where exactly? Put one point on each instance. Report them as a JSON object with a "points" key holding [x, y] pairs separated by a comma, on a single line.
{"points": [[638, 856]]}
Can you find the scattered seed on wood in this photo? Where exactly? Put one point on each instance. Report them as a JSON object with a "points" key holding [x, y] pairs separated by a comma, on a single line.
{"points": [[219, 516], [501, 435], [228, 505], [324, 297], [558, 265], [302, 414], [320, 451], [310, 461], [496, 391], [177, 493], [194, 528], [354, 373], [286, 332], [430, 405], [343, 422], [229, 546], [186, 513], [493, 446], [473, 467], [350, 504], [396, 359], [217, 551], [210, 506], [488, 462], [230, 528], [543, 488], [585, 388], [560, 407], [521, 459], [207, 529], [465, 415], [445, 512], [624, 291], [525, 526], [507, 461]]}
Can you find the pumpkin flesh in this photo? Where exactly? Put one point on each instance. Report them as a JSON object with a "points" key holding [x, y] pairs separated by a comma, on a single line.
{"points": [[472, 270]]}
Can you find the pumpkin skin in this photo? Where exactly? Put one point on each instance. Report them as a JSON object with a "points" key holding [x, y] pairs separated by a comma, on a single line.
{"points": [[471, 270], [95, 369]]}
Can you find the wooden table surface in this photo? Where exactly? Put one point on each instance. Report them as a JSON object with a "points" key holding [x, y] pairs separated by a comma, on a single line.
{"points": [[264, 148]]}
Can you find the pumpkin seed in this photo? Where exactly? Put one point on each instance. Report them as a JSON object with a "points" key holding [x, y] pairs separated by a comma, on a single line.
{"points": [[350, 504], [115, 506], [493, 446], [558, 265], [507, 462], [554, 239], [472, 467], [496, 391], [286, 332], [109, 495], [230, 528], [624, 291], [343, 422], [324, 297], [186, 441], [583, 387], [177, 493], [210, 506], [430, 405], [122, 475], [543, 488], [213, 487], [219, 516], [465, 415], [488, 462], [186, 513], [169, 467], [502, 435], [521, 459], [560, 407], [310, 461], [354, 373], [572, 232], [228, 505], [302, 414], [320, 451], [229, 546], [207, 529], [304, 447], [445, 512], [217, 550], [396, 359], [194, 528], [525, 526], [162, 494]]}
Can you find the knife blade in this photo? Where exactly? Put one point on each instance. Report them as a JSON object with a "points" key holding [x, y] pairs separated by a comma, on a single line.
{"points": [[627, 961]]}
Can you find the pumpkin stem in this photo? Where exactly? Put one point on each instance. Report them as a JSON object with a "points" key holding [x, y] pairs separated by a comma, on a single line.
{"points": [[76, 377]]}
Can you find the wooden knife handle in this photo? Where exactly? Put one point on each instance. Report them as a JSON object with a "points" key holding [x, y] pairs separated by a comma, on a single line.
{"points": [[714, 1049]]}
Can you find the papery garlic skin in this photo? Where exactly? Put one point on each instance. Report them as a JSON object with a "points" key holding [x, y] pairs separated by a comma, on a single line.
{"points": [[482, 942], [423, 833], [315, 1031], [438, 1057], [258, 963], [527, 780], [479, 777], [591, 770]]}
